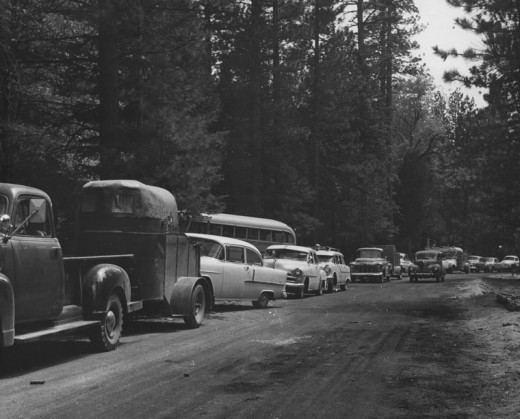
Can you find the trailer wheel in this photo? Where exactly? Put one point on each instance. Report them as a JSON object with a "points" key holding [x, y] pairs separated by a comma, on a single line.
{"points": [[197, 308], [106, 338]]}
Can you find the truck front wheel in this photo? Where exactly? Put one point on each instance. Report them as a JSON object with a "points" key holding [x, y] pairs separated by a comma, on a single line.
{"points": [[109, 332], [197, 308]]}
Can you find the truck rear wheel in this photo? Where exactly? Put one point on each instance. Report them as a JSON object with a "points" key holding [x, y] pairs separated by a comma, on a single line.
{"points": [[197, 308], [106, 338]]}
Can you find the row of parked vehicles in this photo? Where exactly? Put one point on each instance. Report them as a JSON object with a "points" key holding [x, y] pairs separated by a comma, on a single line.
{"points": [[492, 264], [132, 257]]}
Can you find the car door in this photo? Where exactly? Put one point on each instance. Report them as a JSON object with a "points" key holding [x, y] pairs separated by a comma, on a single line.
{"points": [[236, 273]]}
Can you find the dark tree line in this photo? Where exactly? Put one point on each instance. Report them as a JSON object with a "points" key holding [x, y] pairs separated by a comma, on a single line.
{"points": [[311, 112]]}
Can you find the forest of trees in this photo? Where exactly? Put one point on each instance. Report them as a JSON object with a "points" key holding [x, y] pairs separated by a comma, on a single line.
{"points": [[312, 112]]}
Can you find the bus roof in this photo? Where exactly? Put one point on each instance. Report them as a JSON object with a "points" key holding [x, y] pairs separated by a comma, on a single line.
{"points": [[247, 221]]}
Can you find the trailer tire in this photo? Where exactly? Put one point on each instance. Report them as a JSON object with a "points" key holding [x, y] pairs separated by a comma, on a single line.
{"points": [[197, 308], [107, 337]]}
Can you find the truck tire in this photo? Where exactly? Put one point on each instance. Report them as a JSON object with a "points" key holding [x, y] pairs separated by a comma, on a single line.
{"points": [[299, 292], [106, 338], [197, 308]]}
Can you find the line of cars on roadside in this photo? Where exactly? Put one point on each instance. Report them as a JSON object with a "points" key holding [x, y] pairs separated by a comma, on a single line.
{"points": [[238, 271], [492, 264]]}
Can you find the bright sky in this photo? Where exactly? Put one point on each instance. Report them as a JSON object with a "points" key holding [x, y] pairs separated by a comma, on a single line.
{"points": [[441, 30]]}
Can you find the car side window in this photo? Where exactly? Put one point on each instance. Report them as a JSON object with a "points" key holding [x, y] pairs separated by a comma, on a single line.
{"points": [[253, 258], [235, 254]]}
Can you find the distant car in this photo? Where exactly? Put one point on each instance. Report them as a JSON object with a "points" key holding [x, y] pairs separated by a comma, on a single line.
{"points": [[338, 272], [491, 264], [304, 273], [476, 263], [405, 262], [510, 263], [237, 272], [427, 264]]}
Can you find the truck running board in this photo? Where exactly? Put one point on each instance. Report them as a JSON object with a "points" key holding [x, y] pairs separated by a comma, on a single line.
{"points": [[75, 326]]}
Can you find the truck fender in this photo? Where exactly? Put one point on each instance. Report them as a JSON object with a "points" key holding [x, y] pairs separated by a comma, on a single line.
{"points": [[181, 294], [6, 312], [100, 282]]}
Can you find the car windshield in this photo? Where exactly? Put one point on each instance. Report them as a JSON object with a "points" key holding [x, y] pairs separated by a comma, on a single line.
{"points": [[369, 253], [509, 258], [210, 248], [426, 256], [473, 258], [286, 254], [325, 258], [489, 259]]}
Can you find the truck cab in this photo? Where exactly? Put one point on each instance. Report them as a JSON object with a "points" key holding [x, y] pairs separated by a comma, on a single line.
{"points": [[38, 296]]}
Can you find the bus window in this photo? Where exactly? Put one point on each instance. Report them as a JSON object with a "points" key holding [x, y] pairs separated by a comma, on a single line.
{"points": [[198, 227], [266, 235], [252, 233], [215, 229], [279, 236], [240, 232], [228, 231], [289, 238]]}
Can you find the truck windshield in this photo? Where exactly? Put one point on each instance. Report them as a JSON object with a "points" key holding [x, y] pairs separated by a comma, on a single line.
{"points": [[326, 258], [369, 253], [3, 205]]}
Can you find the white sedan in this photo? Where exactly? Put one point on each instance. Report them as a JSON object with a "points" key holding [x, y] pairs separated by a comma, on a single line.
{"points": [[304, 273], [236, 270], [338, 272]]}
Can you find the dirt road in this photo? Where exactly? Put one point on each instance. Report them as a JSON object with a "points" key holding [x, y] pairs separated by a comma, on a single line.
{"points": [[376, 350]]}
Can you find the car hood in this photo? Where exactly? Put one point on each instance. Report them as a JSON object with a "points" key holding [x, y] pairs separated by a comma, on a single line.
{"points": [[286, 264]]}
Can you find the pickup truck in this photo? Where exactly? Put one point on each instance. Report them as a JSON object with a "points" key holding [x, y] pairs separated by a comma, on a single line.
{"points": [[370, 264], [143, 263]]}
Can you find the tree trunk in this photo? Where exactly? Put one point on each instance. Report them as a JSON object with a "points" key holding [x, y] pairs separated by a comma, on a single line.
{"points": [[108, 92]]}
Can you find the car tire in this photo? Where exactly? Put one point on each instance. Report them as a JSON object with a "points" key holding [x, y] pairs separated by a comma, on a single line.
{"points": [[319, 291], [263, 301], [343, 287]]}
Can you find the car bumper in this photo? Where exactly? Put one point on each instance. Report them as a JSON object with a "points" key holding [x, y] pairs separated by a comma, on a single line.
{"points": [[366, 275]]}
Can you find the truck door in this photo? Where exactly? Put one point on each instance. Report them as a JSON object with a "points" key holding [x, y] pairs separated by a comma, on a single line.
{"points": [[38, 263]]}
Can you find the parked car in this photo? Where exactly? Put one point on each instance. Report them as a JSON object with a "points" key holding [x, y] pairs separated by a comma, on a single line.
{"points": [[491, 264], [338, 272], [510, 263], [476, 263], [304, 273], [427, 264], [405, 262], [236, 270]]}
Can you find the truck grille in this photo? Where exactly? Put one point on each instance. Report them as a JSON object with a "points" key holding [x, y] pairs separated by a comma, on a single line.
{"points": [[366, 269]]}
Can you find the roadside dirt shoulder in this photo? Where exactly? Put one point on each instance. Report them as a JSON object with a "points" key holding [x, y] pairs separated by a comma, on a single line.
{"points": [[497, 335]]}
